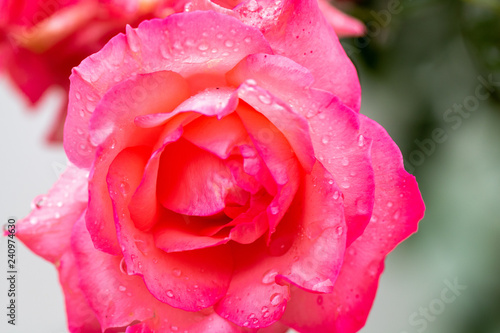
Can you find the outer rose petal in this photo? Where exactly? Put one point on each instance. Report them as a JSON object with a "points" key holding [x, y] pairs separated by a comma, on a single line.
{"points": [[47, 228], [398, 208], [120, 299], [298, 30], [81, 318], [344, 25], [155, 46]]}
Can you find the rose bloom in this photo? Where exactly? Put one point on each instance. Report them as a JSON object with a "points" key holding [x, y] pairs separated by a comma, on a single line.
{"points": [[41, 40], [222, 180]]}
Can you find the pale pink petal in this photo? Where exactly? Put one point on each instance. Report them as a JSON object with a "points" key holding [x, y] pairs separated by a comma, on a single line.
{"points": [[298, 30], [204, 274], [155, 46], [343, 24], [47, 229], [398, 208]]}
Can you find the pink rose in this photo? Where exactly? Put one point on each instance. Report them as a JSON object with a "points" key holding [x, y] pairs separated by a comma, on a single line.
{"points": [[41, 40], [222, 180]]}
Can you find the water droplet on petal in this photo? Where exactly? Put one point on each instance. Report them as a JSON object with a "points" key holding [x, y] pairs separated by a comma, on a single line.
{"points": [[122, 288], [229, 43], [389, 204], [170, 293], [269, 276], [203, 47], [176, 272], [345, 161], [336, 195], [276, 299], [325, 140], [340, 230], [265, 99], [123, 266], [361, 140]]}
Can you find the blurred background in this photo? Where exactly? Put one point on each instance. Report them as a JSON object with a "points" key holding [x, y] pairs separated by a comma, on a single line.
{"points": [[430, 73]]}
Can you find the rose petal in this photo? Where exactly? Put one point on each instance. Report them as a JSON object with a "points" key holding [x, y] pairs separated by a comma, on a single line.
{"points": [[345, 153], [204, 274], [398, 208], [288, 26], [120, 299], [47, 228], [156, 45], [218, 136], [343, 24], [192, 181], [278, 156], [334, 130], [252, 300], [112, 126], [210, 102], [292, 125], [81, 318]]}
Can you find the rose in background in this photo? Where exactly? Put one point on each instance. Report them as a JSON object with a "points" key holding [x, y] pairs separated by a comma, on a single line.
{"points": [[41, 40], [223, 180]]}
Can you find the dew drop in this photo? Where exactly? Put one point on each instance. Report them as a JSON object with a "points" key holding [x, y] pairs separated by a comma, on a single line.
{"points": [[276, 299], [57, 215], [336, 195], [325, 140], [345, 185], [264, 309], [123, 266], [203, 47], [345, 161], [176, 272], [340, 230], [396, 215], [331, 182], [269, 276], [122, 288], [274, 210], [248, 40], [361, 140], [389, 204], [170, 293], [265, 99], [174, 328], [229, 43]]}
